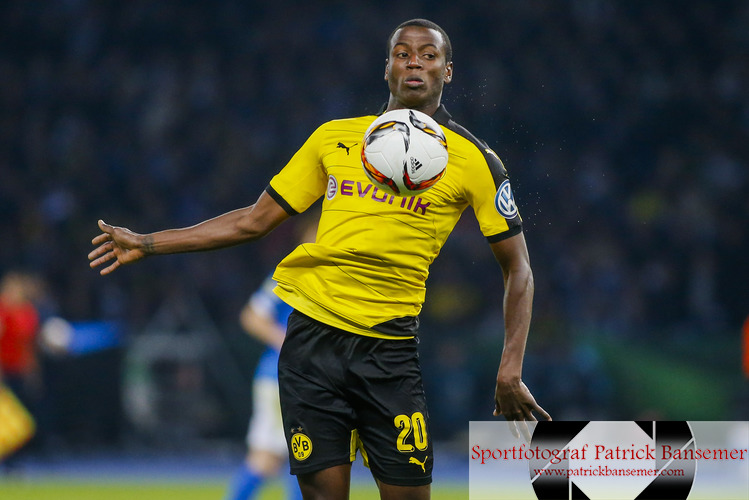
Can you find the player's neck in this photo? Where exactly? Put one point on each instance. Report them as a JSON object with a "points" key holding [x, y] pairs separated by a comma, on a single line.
{"points": [[428, 108]]}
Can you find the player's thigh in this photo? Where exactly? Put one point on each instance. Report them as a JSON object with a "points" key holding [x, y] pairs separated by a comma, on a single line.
{"points": [[392, 416], [318, 420]]}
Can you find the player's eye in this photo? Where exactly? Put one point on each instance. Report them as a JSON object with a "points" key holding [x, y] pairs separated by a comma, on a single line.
{"points": [[429, 56], [402, 55]]}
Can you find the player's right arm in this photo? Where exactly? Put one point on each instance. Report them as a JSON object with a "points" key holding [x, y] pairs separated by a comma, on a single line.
{"points": [[232, 228]]}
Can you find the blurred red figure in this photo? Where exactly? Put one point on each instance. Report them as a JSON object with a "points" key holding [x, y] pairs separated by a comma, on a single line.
{"points": [[19, 325]]}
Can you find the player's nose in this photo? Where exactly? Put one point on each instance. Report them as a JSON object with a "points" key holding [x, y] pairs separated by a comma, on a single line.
{"points": [[414, 61]]}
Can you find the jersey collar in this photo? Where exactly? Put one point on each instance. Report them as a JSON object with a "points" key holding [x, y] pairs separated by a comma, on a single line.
{"points": [[441, 116]]}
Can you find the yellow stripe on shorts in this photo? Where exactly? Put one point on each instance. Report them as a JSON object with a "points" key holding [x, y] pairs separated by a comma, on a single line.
{"points": [[356, 444]]}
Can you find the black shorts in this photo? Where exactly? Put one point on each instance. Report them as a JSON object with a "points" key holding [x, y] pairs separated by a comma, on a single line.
{"points": [[340, 391]]}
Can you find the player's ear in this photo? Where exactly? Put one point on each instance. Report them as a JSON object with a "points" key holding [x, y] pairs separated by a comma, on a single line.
{"points": [[387, 68], [449, 72]]}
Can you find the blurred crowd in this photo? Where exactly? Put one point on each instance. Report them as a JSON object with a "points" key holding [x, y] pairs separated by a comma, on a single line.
{"points": [[624, 127]]}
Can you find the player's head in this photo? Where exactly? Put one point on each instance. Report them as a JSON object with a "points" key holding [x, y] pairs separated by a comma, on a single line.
{"points": [[418, 66], [423, 23]]}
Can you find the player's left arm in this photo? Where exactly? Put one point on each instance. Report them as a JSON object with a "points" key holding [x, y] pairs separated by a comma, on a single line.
{"points": [[512, 398]]}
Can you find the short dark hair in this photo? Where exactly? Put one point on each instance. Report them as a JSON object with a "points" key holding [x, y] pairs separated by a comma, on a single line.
{"points": [[424, 23]]}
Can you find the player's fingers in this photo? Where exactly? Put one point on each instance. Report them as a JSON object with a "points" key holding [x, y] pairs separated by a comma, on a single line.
{"points": [[110, 268], [101, 260], [105, 228], [102, 238], [509, 414], [514, 429], [99, 251], [524, 430], [541, 412]]}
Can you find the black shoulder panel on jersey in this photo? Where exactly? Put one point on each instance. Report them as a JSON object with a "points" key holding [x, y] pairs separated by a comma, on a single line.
{"points": [[493, 162], [496, 167], [279, 199]]}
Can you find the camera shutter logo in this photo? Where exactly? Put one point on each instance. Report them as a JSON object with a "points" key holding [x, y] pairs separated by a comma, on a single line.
{"points": [[555, 479]]}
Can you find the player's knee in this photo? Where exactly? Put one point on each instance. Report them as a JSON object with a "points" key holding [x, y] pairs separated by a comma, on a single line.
{"points": [[392, 492], [328, 484]]}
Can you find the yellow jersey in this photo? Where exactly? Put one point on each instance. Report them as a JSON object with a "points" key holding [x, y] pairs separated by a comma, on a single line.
{"points": [[367, 269]]}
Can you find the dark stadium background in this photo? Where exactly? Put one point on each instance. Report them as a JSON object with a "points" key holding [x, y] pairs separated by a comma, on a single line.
{"points": [[624, 126]]}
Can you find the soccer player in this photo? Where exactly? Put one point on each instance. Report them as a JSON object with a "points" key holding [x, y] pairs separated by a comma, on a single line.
{"points": [[264, 317], [349, 372]]}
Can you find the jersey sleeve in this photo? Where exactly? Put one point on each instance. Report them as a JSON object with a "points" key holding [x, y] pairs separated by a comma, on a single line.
{"points": [[303, 180], [489, 192]]}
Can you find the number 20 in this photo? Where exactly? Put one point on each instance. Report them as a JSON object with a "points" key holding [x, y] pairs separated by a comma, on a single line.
{"points": [[406, 424]]}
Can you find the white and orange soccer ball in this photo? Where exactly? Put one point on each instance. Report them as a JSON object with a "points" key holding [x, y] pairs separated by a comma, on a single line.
{"points": [[404, 152]]}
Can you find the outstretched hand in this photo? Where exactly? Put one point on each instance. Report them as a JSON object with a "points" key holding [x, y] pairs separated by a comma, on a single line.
{"points": [[514, 401], [118, 244]]}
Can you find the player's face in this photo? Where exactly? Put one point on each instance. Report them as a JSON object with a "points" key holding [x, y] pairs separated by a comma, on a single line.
{"points": [[416, 69]]}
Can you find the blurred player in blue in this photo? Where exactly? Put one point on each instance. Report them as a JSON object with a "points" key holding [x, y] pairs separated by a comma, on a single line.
{"points": [[264, 317]]}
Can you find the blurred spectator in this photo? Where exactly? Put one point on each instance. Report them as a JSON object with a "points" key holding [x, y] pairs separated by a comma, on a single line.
{"points": [[19, 324]]}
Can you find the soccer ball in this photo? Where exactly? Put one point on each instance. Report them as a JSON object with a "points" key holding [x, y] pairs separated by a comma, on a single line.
{"points": [[404, 152]]}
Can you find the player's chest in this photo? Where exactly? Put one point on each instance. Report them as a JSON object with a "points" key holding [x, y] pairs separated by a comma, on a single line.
{"points": [[349, 188]]}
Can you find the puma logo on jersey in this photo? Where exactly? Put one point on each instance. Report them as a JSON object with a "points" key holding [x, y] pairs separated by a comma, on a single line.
{"points": [[347, 148], [414, 460]]}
